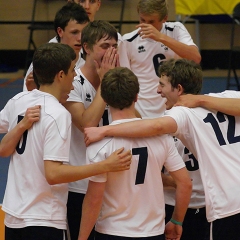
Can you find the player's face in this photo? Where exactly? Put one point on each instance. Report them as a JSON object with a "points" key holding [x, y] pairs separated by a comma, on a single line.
{"points": [[152, 19], [67, 82], [91, 7], [101, 47], [167, 91], [71, 35]]}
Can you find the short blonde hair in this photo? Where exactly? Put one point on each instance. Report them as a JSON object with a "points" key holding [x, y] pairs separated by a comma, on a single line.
{"points": [[149, 7]]}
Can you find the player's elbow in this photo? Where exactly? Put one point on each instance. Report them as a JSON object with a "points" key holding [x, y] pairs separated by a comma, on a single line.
{"points": [[198, 58], [51, 178], [5, 152]]}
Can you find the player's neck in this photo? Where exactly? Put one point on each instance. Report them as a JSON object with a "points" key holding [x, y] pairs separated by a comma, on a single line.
{"points": [[90, 72], [51, 90], [126, 113]]}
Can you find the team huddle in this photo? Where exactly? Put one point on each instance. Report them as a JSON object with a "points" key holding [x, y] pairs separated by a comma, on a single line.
{"points": [[110, 138]]}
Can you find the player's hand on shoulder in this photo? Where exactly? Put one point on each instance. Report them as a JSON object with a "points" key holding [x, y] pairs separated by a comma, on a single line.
{"points": [[30, 84], [119, 160], [32, 115], [93, 134], [188, 100]]}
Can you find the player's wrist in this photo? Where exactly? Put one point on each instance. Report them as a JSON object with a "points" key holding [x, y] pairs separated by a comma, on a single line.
{"points": [[176, 222]]}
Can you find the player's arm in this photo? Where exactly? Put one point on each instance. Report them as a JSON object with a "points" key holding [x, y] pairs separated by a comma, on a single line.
{"points": [[91, 208], [86, 117], [168, 181], [11, 139], [57, 172], [141, 128], [173, 228], [183, 50], [91, 116], [229, 106]]}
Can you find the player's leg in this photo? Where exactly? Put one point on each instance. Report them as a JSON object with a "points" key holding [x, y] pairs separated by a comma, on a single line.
{"points": [[74, 213], [226, 228]]}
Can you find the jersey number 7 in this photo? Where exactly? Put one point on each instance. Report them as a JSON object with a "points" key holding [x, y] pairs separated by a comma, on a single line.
{"points": [[142, 163]]}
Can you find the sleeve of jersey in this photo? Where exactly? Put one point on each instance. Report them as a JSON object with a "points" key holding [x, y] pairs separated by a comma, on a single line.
{"points": [[76, 94], [226, 94], [183, 35], [174, 161], [95, 155], [180, 116], [4, 118], [123, 54], [57, 137]]}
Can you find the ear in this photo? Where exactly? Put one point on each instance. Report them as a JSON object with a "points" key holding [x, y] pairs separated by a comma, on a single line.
{"points": [[86, 48], [180, 89], [60, 32], [99, 4], [136, 98], [165, 19], [60, 75]]}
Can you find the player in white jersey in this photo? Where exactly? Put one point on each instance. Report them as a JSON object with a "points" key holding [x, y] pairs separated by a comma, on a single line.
{"points": [[131, 205], [144, 50], [195, 223], [99, 41], [36, 192], [11, 139], [211, 135], [69, 22]]}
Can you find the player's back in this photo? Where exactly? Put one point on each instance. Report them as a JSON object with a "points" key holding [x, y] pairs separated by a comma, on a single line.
{"points": [[133, 202], [214, 138], [41, 142]]}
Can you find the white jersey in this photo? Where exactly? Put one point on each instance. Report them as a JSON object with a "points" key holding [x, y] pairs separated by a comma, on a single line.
{"points": [[214, 138], [197, 197], [143, 57], [84, 93], [133, 202], [28, 195], [78, 64]]}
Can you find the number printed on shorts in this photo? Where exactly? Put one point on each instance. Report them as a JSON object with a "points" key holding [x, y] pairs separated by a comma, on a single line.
{"points": [[230, 129], [142, 163], [23, 140]]}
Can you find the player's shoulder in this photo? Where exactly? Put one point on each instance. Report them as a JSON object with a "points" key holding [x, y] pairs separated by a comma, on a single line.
{"points": [[226, 94], [130, 37], [20, 95], [95, 148], [172, 24], [173, 27], [53, 40]]}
